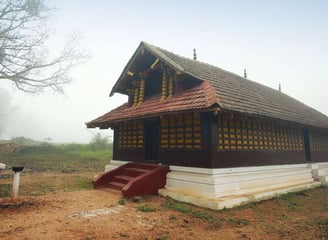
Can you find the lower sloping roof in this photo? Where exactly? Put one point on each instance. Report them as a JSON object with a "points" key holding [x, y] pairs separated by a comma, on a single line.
{"points": [[200, 97]]}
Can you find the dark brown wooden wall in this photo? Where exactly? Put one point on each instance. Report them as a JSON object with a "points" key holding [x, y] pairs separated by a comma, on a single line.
{"points": [[211, 156], [319, 156], [191, 158], [256, 158]]}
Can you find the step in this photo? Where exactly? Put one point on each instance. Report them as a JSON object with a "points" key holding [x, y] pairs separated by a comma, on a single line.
{"points": [[143, 166], [123, 179], [115, 185], [133, 172]]}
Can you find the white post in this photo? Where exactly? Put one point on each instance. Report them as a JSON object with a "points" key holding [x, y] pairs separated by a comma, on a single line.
{"points": [[15, 185]]}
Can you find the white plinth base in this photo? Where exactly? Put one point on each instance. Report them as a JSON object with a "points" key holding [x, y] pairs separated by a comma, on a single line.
{"points": [[234, 200], [320, 172], [2, 166], [230, 187]]}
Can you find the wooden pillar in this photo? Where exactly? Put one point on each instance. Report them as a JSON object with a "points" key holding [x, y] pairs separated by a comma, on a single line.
{"points": [[171, 87], [142, 77], [142, 91], [131, 96], [209, 136], [115, 142], [136, 96], [164, 86]]}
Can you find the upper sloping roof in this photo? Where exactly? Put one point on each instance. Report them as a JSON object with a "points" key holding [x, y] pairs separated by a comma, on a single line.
{"points": [[235, 93]]}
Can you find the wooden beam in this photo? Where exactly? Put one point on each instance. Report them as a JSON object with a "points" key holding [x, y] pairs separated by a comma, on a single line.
{"points": [[154, 63]]}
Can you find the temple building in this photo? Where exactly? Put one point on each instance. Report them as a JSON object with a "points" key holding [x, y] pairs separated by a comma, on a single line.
{"points": [[221, 134]]}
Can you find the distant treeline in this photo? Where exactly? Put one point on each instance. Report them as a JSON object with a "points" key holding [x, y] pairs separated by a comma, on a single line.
{"points": [[70, 157], [96, 143]]}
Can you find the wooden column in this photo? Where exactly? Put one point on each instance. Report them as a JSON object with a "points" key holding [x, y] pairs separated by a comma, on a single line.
{"points": [[142, 76], [136, 94], [164, 86], [209, 136], [115, 142], [130, 92], [171, 86]]}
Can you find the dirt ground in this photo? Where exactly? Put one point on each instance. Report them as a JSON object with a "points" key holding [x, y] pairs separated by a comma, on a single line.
{"points": [[96, 214]]}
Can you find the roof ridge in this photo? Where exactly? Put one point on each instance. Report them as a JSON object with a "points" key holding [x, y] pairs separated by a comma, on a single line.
{"points": [[192, 60]]}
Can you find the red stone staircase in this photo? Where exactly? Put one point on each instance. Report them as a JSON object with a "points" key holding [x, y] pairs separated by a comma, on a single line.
{"points": [[133, 179]]}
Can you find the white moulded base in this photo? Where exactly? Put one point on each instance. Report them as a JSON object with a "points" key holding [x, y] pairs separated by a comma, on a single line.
{"points": [[230, 187]]}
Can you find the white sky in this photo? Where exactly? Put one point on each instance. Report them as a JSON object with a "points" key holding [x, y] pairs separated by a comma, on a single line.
{"points": [[276, 41]]}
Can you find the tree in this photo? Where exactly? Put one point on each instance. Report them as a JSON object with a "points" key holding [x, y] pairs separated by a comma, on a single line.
{"points": [[5, 109], [99, 141], [23, 53]]}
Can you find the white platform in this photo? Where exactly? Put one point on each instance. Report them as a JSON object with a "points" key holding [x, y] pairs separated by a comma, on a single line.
{"points": [[320, 172], [230, 187]]}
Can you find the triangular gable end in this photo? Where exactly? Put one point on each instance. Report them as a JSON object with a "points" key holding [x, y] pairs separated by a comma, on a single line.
{"points": [[145, 57]]}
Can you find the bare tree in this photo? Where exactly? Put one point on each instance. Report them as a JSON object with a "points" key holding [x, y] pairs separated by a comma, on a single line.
{"points": [[23, 53], [5, 109]]}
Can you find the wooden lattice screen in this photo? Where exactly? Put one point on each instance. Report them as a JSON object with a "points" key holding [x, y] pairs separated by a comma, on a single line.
{"points": [[181, 131], [130, 134], [236, 133], [318, 141]]}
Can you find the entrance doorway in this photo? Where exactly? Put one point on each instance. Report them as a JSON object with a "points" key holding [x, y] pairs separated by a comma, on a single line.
{"points": [[151, 136]]}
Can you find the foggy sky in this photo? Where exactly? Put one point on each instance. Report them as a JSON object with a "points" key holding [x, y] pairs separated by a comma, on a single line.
{"points": [[276, 41]]}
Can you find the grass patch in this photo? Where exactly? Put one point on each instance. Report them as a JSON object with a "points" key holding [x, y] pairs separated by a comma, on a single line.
{"points": [[74, 183], [214, 217], [295, 200], [137, 199], [188, 209], [146, 208], [203, 215], [287, 196], [322, 222], [16, 205], [177, 206], [246, 206], [292, 206], [121, 201], [239, 222], [5, 190], [65, 158]]}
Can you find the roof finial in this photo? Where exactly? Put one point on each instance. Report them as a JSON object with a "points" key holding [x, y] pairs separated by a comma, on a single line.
{"points": [[195, 55], [279, 87], [245, 73]]}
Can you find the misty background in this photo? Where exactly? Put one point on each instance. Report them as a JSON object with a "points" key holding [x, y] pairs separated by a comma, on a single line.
{"points": [[276, 41]]}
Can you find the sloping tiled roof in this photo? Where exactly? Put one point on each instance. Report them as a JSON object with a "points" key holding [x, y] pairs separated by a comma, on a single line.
{"points": [[233, 93], [200, 97]]}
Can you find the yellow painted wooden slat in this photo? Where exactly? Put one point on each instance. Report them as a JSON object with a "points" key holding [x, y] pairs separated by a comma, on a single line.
{"points": [[197, 135], [197, 140]]}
